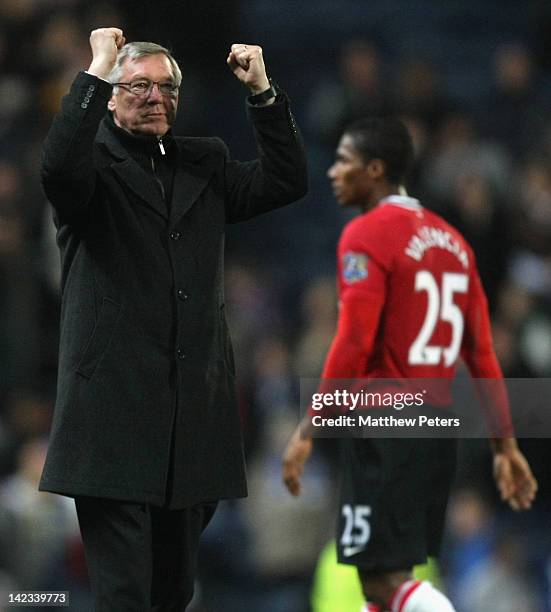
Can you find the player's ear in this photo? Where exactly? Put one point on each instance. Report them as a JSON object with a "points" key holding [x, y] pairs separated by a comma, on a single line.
{"points": [[376, 168], [111, 104]]}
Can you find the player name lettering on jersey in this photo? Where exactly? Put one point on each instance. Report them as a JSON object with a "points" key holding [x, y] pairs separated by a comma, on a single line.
{"points": [[433, 237]]}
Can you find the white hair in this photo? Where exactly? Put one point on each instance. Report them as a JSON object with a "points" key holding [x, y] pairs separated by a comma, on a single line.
{"points": [[135, 50]]}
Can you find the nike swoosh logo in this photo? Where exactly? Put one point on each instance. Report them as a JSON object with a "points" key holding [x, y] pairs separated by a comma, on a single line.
{"points": [[349, 551]]}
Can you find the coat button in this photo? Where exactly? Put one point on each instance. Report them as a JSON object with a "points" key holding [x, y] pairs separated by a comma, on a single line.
{"points": [[84, 105], [175, 235], [182, 295], [180, 354]]}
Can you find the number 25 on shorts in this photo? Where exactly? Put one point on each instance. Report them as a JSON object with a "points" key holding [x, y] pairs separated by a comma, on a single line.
{"points": [[357, 530]]}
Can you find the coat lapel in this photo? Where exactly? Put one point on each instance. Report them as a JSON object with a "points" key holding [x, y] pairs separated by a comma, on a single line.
{"points": [[143, 185], [130, 172], [189, 181]]}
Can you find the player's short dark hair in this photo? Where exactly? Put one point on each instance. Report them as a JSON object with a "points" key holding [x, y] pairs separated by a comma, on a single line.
{"points": [[387, 139]]}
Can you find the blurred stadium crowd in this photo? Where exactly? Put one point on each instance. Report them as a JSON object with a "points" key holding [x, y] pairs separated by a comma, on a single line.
{"points": [[473, 82]]}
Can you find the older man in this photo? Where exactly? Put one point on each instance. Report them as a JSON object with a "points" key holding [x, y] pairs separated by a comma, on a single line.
{"points": [[146, 432]]}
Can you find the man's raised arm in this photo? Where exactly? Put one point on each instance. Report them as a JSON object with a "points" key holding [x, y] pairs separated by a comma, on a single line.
{"points": [[279, 176], [68, 174]]}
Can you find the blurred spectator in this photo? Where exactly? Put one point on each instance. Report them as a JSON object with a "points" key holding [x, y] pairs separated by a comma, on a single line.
{"points": [[319, 315], [470, 540], [273, 388], [500, 583], [28, 413], [483, 218], [287, 534], [39, 524], [514, 305], [56, 65], [61, 31], [524, 328], [535, 343], [15, 100], [513, 113], [459, 152], [419, 94], [506, 347], [532, 211], [19, 335], [360, 90]]}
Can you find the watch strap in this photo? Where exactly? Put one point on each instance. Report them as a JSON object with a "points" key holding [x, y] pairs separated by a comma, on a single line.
{"points": [[264, 96]]}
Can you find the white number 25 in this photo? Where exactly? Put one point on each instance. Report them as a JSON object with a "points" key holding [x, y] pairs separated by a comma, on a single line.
{"points": [[440, 305]]}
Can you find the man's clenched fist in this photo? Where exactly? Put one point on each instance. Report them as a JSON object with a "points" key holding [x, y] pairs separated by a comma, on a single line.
{"points": [[247, 63], [105, 43]]}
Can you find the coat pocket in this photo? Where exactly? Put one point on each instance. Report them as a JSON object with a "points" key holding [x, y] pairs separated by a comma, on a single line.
{"points": [[101, 337]]}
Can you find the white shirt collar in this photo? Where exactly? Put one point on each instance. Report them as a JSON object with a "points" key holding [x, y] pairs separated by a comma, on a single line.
{"points": [[402, 201]]}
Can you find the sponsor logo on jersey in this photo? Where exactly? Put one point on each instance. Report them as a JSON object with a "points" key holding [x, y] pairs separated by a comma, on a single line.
{"points": [[354, 267]]}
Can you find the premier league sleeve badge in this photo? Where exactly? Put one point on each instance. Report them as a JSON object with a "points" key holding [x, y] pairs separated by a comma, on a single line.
{"points": [[354, 267]]}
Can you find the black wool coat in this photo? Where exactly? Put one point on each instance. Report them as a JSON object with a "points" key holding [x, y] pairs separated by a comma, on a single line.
{"points": [[145, 399]]}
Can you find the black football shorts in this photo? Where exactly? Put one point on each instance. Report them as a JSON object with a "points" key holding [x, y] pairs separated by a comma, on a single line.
{"points": [[393, 500]]}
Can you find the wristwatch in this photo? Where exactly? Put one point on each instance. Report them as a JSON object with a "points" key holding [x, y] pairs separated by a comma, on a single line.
{"points": [[264, 96]]}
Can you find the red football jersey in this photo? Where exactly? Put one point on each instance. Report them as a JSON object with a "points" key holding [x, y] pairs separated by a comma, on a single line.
{"points": [[423, 271], [412, 304]]}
